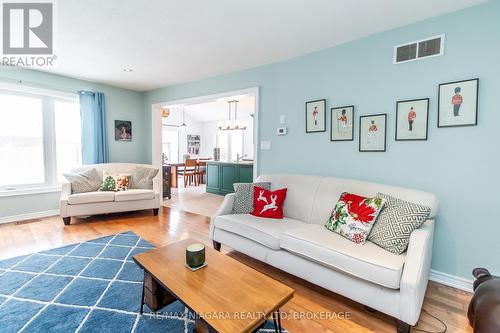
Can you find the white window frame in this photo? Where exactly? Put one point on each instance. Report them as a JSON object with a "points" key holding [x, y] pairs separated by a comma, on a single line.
{"points": [[48, 98]]}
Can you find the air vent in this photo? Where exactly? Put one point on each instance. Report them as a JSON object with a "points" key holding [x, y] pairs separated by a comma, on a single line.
{"points": [[424, 48]]}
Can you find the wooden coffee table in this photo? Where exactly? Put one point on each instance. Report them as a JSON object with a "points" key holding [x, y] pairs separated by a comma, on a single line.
{"points": [[227, 296]]}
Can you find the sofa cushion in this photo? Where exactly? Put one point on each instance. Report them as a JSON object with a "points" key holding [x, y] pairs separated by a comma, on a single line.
{"points": [[396, 222], [300, 194], [142, 178], [91, 197], [134, 194], [86, 180], [243, 199], [265, 231], [368, 262], [268, 203], [353, 216]]}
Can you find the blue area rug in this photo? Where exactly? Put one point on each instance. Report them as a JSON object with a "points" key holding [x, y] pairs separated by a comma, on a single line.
{"points": [[93, 286]]}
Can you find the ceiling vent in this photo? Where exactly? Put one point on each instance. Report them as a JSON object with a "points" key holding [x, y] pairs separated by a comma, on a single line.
{"points": [[420, 49]]}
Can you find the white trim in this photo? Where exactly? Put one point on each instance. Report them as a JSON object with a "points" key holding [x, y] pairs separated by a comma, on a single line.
{"points": [[29, 191], [26, 89], [441, 50], [28, 216], [156, 121], [451, 280]]}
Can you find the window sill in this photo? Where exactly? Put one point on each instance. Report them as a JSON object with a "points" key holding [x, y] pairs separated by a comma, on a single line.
{"points": [[30, 191]]}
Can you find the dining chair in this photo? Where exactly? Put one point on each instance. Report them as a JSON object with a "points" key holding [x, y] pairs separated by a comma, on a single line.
{"points": [[201, 171], [190, 171]]}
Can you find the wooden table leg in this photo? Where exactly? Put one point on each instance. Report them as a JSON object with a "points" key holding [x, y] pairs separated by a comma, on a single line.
{"points": [[277, 321], [142, 299], [173, 176]]}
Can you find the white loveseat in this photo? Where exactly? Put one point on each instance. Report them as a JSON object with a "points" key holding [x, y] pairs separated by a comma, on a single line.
{"points": [[103, 202], [301, 245]]}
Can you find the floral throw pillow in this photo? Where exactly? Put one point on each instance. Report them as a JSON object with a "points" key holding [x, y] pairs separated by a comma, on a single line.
{"points": [[353, 216], [114, 183]]}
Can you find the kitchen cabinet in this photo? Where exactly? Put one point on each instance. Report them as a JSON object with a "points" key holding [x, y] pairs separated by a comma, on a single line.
{"points": [[222, 175]]}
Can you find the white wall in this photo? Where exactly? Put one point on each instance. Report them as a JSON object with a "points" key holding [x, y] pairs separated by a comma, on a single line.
{"points": [[193, 127]]}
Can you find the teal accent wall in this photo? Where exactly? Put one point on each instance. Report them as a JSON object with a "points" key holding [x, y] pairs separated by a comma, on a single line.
{"points": [[459, 165], [120, 104]]}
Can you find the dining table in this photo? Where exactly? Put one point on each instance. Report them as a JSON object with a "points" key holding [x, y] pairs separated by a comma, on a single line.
{"points": [[175, 167]]}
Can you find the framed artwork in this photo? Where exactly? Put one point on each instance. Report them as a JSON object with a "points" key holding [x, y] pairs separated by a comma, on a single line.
{"points": [[342, 123], [316, 116], [193, 144], [123, 130], [412, 117], [458, 103], [372, 132]]}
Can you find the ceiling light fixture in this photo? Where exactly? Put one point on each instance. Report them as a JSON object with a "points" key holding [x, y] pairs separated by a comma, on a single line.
{"points": [[183, 125], [128, 70], [232, 124], [165, 112]]}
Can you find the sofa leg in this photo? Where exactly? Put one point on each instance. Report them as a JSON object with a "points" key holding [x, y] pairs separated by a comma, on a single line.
{"points": [[217, 245], [402, 327], [155, 211], [67, 220]]}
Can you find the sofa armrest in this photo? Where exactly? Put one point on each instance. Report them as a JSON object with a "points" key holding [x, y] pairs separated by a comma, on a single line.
{"points": [[416, 272], [225, 208], [63, 202], [65, 190], [157, 184]]}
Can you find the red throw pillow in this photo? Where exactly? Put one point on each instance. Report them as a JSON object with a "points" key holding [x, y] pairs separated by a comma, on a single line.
{"points": [[268, 203]]}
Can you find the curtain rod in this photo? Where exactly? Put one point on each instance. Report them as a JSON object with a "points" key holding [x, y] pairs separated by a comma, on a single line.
{"points": [[38, 85]]}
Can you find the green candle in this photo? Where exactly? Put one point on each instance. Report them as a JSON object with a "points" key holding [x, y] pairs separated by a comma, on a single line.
{"points": [[195, 255]]}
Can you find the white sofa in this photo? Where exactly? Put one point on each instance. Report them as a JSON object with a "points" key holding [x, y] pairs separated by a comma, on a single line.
{"points": [[301, 245], [100, 202]]}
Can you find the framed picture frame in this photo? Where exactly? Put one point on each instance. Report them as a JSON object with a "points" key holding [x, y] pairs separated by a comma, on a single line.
{"points": [[193, 144], [373, 133], [316, 116], [342, 123], [123, 130], [412, 119], [458, 103]]}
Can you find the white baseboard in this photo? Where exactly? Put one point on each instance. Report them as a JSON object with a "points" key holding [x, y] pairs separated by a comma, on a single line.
{"points": [[451, 280], [29, 216]]}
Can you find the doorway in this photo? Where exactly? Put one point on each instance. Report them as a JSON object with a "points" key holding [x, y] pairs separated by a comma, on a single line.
{"points": [[191, 129]]}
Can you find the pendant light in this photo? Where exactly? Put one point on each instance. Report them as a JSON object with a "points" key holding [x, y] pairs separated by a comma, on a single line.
{"points": [[183, 125], [232, 124]]}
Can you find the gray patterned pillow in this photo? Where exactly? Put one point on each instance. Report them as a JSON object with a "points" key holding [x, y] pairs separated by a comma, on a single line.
{"points": [[243, 201], [84, 181], [396, 222], [142, 177]]}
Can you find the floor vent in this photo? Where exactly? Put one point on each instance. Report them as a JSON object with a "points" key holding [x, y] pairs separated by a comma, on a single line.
{"points": [[420, 49]]}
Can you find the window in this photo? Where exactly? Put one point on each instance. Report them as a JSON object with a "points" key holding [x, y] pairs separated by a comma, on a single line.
{"points": [[230, 144], [40, 137], [170, 145]]}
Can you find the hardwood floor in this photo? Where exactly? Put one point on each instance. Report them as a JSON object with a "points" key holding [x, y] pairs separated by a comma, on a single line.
{"points": [[448, 304], [194, 199]]}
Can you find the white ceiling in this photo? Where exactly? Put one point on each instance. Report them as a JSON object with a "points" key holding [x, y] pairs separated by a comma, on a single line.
{"points": [[217, 110], [168, 42]]}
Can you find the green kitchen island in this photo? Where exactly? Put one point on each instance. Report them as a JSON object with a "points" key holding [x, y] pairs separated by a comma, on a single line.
{"points": [[222, 175]]}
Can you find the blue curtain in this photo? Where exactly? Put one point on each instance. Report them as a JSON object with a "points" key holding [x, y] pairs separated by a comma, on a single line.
{"points": [[94, 135]]}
